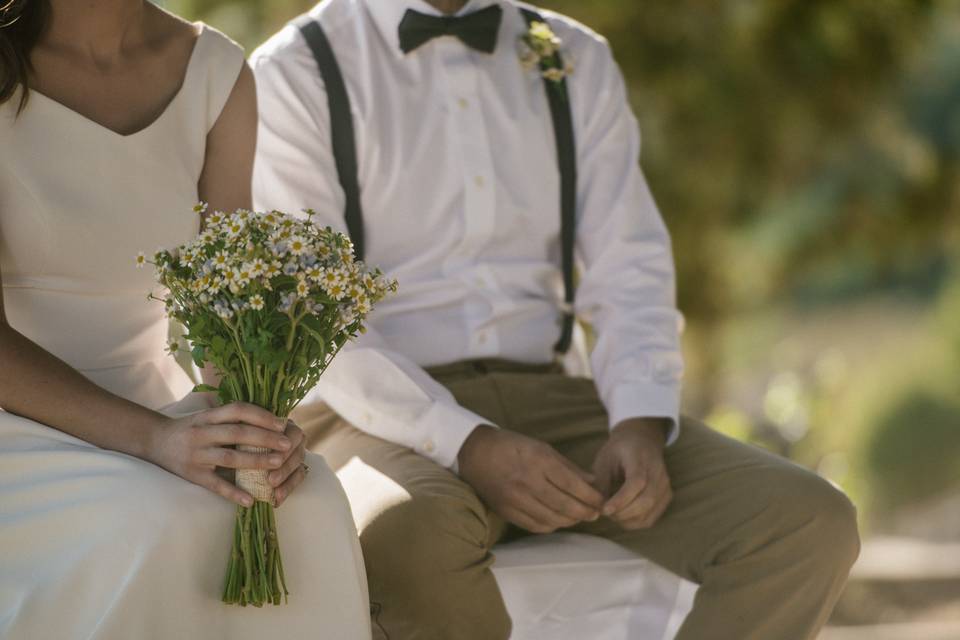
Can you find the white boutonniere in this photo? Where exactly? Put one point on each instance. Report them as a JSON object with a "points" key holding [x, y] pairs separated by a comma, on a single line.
{"points": [[540, 50]]}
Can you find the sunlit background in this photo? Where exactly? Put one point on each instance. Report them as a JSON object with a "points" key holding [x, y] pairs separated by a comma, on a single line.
{"points": [[804, 154]]}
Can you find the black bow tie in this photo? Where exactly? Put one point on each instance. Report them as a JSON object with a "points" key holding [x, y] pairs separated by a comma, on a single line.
{"points": [[477, 29]]}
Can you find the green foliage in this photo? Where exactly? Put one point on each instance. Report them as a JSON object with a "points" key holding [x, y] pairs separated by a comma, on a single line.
{"points": [[914, 452]]}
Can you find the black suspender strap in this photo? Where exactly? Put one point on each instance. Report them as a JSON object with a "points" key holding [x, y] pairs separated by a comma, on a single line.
{"points": [[345, 156], [341, 126], [559, 100]]}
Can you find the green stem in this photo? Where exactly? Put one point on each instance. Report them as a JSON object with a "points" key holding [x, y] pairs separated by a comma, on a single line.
{"points": [[273, 531], [247, 551], [244, 362]]}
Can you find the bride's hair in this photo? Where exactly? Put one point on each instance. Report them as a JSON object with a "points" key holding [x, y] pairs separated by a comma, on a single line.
{"points": [[22, 22]]}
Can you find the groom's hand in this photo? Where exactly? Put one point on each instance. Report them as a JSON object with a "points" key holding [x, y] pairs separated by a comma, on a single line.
{"points": [[527, 482], [630, 470]]}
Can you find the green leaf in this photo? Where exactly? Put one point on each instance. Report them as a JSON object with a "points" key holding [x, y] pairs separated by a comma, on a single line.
{"points": [[201, 388], [199, 355]]}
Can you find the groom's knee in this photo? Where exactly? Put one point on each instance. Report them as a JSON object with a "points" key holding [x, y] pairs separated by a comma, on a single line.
{"points": [[428, 561], [835, 525], [820, 518], [424, 535]]}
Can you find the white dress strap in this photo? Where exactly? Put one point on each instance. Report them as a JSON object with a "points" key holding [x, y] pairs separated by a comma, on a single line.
{"points": [[214, 68]]}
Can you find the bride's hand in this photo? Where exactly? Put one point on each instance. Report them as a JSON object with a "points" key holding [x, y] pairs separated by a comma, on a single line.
{"points": [[193, 446]]}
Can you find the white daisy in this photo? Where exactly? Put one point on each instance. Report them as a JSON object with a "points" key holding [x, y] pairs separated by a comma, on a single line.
{"points": [[235, 226], [241, 276], [256, 267], [363, 305], [315, 272], [272, 269], [221, 260], [332, 277]]}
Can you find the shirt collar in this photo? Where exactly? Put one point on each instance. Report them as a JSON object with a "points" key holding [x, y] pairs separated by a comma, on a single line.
{"points": [[387, 15]]}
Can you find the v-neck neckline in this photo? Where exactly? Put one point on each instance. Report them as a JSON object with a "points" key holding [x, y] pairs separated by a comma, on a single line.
{"points": [[188, 72]]}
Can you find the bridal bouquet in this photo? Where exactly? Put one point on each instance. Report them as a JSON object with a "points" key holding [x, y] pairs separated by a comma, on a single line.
{"points": [[268, 299]]}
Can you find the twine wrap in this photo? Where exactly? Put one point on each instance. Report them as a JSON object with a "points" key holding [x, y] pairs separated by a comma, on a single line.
{"points": [[254, 481]]}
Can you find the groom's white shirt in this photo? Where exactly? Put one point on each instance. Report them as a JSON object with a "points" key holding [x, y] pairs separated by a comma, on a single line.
{"points": [[460, 192]]}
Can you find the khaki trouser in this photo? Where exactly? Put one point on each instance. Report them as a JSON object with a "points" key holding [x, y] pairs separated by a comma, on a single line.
{"points": [[770, 543]]}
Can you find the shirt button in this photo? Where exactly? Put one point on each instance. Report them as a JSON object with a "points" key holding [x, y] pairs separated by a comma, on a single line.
{"points": [[662, 372], [480, 181], [482, 337], [462, 102], [428, 446]]}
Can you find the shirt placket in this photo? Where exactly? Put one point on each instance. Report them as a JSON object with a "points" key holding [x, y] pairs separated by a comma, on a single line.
{"points": [[479, 189]]}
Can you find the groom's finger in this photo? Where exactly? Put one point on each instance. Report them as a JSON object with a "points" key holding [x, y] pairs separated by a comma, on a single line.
{"points": [[651, 517], [632, 487], [546, 518], [586, 476], [575, 485], [523, 520], [639, 509], [564, 503], [644, 510]]}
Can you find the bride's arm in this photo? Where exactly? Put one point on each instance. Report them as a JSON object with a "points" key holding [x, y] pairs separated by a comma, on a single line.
{"points": [[231, 143], [36, 384]]}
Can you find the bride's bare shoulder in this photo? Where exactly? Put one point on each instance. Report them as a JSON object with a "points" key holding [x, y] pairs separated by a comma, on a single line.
{"points": [[169, 33]]}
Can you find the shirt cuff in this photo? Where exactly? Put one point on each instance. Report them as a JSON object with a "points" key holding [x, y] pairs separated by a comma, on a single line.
{"points": [[645, 400], [447, 428]]}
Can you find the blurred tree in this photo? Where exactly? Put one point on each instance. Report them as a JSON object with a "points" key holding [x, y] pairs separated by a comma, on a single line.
{"points": [[776, 142]]}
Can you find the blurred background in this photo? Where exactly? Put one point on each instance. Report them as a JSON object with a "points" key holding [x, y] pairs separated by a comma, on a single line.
{"points": [[805, 154]]}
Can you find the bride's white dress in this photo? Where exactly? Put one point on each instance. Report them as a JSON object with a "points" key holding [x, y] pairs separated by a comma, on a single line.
{"points": [[96, 544]]}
